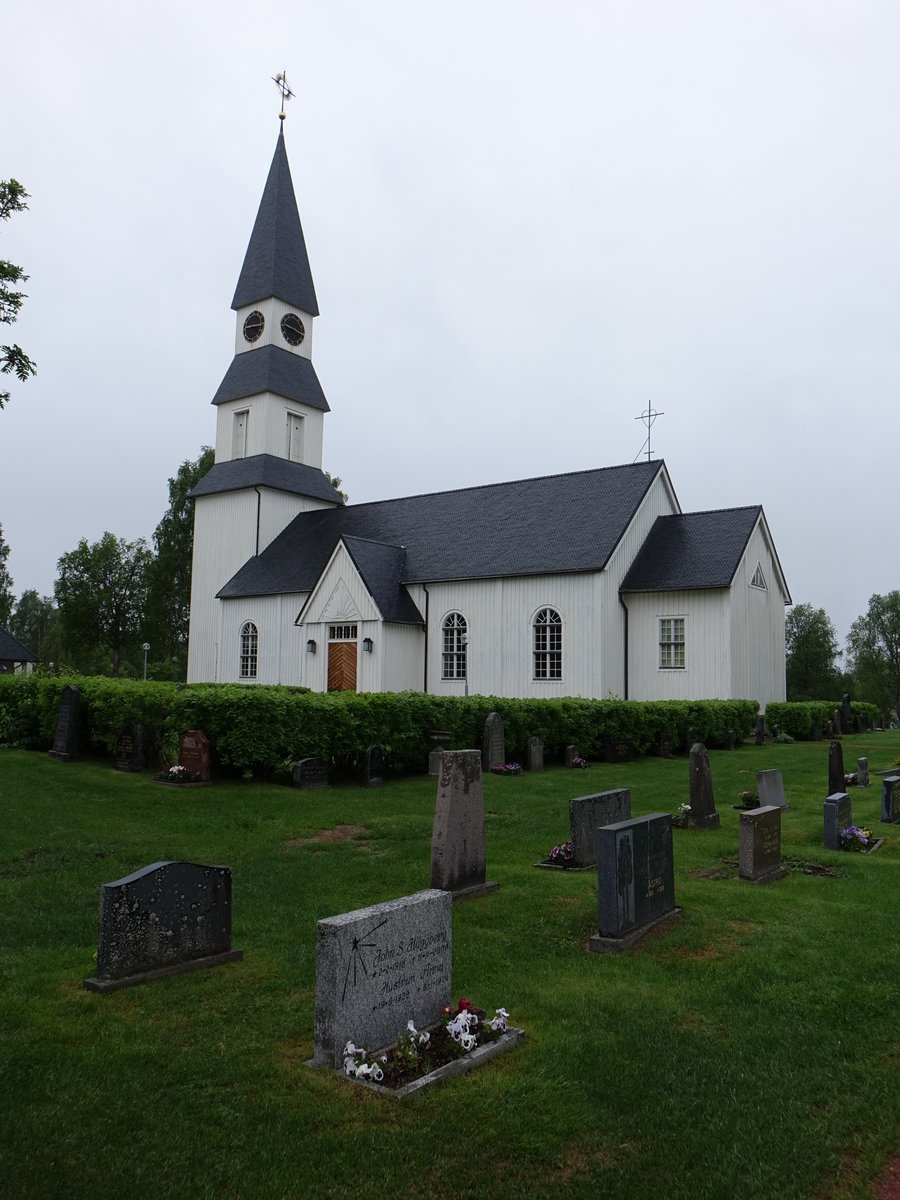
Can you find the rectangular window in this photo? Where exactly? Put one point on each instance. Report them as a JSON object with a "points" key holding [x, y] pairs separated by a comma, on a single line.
{"points": [[294, 437], [671, 643], [239, 440], [342, 633]]}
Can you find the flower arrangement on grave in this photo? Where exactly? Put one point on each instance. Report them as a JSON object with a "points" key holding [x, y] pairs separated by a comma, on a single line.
{"points": [[851, 779], [561, 855], [578, 761], [419, 1052], [176, 774], [681, 816], [510, 768], [855, 838], [747, 799]]}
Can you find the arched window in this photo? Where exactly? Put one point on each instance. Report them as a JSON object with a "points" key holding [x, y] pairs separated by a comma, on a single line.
{"points": [[454, 646], [547, 644], [249, 644]]}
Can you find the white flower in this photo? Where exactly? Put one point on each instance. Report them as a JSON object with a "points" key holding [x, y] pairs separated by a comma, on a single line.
{"points": [[424, 1039], [351, 1049], [377, 1073], [467, 1041], [499, 1021], [350, 1066]]}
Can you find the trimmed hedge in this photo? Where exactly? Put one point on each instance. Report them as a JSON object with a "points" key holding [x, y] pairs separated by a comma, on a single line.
{"points": [[261, 729], [797, 717]]}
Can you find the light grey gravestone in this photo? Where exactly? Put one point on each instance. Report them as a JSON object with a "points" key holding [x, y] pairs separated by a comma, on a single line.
{"points": [[838, 814], [836, 780], [310, 773], [379, 967], [770, 787], [373, 767], [862, 772], [534, 755], [890, 800], [587, 814], [493, 745], [703, 804], [837, 728], [635, 880], [163, 920], [571, 754], [65, 739], [759, 855], [458, 856]]}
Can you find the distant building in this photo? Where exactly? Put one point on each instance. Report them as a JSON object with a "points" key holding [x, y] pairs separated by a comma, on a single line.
{"points": [[584, 584], [15, 658]]}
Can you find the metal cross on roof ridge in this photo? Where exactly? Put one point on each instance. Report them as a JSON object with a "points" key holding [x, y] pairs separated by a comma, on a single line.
{"points": [[648, 417], [280, 81]]}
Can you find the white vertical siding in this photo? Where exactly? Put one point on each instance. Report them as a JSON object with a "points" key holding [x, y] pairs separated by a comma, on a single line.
{"points": [[267, 427], [273, 310], [707, 670], [757, 629]]}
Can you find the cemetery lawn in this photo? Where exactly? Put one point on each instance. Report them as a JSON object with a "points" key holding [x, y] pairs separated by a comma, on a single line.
{"points": [[750, 1049]]}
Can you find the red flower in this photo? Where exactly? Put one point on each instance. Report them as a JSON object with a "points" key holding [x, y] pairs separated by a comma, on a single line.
{"points": [[447, 1010], [464, 1005]]}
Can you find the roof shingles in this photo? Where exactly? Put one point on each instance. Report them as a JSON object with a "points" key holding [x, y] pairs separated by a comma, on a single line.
{"points": [[692, 550]]}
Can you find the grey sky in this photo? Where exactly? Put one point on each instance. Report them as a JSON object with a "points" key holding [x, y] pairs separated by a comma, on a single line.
{"points": [[524, 222]]}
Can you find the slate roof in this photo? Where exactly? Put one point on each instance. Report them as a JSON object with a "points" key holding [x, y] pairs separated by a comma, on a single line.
{"points": [[271, 369], [557, 523], [12, 650], [382, 570], [276, 262], [692, 550], [265, 470]]}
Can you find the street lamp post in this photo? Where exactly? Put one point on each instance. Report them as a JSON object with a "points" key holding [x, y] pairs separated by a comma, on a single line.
{"points": [[146, 648]]}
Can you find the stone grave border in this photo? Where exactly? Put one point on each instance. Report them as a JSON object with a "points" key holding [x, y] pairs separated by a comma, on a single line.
{"points": [[605, 945]]}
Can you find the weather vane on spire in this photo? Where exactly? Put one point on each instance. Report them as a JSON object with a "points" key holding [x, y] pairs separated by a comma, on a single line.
{"points": [[648, 418], [280, 81]]}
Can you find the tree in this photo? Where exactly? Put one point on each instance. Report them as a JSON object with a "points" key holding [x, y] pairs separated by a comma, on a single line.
{"points": [[32, 621], [336, 482], [6, 593], [12, 358], [169, 577], [811, 647], [100, 593], [873, 644]]}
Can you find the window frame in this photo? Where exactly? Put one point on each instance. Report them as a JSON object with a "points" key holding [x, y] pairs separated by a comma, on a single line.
{"points": [[547, 645], [248, 657], [454, 647], [672, 647]]}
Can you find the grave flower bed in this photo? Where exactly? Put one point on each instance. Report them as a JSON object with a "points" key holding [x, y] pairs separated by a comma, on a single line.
{"points": [[419, 1053], [510, 768], [179, 776], [857, 839], [747, 799]]}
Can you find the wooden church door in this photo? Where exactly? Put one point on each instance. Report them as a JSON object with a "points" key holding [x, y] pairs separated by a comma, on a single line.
{"points": [[342, 658]]}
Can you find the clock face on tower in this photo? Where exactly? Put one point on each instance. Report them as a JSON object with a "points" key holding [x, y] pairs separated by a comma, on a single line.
{"points": [[292, 329], [253, 326]]}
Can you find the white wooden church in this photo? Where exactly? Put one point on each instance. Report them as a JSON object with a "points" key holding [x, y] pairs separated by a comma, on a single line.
{"points": [[592, 584]]}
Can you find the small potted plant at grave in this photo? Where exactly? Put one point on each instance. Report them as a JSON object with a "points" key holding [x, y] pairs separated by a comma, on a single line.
{"points": [[578, 761], [510, 768], [681, 816], [177, 775], [851, 779], [561, 855], [856, 839], [747, 799]]}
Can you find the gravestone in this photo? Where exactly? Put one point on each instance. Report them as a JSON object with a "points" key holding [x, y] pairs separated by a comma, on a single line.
{"points": [[890, 800], [439, 738], [493, 745], [857, 725], [862, 772], [665, 746], [534, 755], [458, 857], [770, 787], [373, 767], [571, 755], [195, 753], [836, 725], [691, 736], [759, 735], [759, 855], [310, 773], [846, 712], [163, 920], [587, 813], [816, 733], [130, 747], [729, 740], [703, 804], [837, 816], [379, 967], [635, 880], [836, 779], [620, 750], [65, 739], [829, 729]]}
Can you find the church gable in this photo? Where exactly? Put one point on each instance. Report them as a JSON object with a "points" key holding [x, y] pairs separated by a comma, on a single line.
{"points": [[339, 595]]}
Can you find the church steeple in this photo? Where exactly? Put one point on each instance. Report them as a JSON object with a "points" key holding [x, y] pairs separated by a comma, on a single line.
{"points": [[276, 263]]}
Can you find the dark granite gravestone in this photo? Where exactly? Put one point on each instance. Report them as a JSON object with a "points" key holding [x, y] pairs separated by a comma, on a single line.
{"points": [[890, 800], [65, 740], [587, 814], [534, 755], [620, 750], [838, 814], [759, 734], [857, 725], [829, 729], [729, 740], [571, 753], [770, 788], [195, 753], [373, 767], [862, 772], [163, 920], [665, 746], [130, 747], [310, 773], [837, 727], [691, 737], [816, 732], [635, 880], [759, 858], [379, 967], [846, 712], [458, 854], [703, 804], [493, 744], [836, 779], [440, 739]]}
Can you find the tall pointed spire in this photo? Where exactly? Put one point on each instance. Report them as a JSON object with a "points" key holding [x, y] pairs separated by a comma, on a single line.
{"points": [[276, 263]]}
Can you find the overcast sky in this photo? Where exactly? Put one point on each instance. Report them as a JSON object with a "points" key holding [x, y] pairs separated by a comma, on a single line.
{"points": [[525, 223]]}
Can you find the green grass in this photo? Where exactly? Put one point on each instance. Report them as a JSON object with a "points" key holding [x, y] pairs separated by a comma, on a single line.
{"points": [[751, 1049]]}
